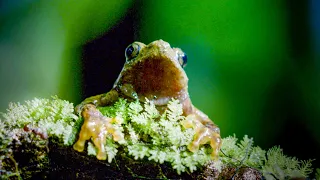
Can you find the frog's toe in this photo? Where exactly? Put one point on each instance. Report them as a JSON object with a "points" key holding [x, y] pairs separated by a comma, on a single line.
{"points": [[79, 146], [101, 155]]}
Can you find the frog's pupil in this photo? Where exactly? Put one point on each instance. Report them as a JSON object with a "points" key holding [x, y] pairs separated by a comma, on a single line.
{"points": [[184, 60], [129, 51]]}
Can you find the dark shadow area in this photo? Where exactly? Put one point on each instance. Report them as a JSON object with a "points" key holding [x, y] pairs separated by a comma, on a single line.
{"points": [[299, 37], [289, 99], [285, 108], [103, 58]]}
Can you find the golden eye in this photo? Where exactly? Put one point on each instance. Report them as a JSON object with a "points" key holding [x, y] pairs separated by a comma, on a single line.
{"points": [[132, 51]]}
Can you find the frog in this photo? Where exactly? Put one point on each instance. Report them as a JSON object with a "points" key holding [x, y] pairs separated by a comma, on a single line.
{"points": [[153, 73]]}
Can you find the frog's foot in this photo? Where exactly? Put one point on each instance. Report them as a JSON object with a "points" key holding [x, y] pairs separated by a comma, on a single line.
{"points": [[97, 127], [203, 134]]}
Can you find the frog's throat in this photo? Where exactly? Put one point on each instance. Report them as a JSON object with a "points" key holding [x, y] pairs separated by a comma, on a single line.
{"points": [[154, 75]]}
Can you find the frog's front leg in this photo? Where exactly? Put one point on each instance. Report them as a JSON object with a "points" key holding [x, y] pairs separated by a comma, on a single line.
{"points": [[205, 130], [95, 126], [98, 100]]}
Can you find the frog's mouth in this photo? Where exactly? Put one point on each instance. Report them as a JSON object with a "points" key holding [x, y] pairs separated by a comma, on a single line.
{"points": [[157, 78]]}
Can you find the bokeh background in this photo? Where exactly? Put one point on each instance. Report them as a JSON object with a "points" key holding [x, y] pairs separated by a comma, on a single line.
{"points": [[254, 66]]}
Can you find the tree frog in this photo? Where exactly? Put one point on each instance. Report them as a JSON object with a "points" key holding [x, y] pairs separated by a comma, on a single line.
{"points": [[153, 71]]}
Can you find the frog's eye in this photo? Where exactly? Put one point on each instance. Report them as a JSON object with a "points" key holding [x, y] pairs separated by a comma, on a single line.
{"points": [[132, 51], [183, 59]]}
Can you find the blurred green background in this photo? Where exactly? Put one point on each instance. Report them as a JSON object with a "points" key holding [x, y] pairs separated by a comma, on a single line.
{"points": [[254, 66]]}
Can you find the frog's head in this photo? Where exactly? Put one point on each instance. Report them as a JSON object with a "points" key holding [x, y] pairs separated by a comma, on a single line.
{"points": [[154, 71]]}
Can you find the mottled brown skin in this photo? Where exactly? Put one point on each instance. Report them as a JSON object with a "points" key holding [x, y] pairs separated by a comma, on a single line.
{"points": [[155, 72]]}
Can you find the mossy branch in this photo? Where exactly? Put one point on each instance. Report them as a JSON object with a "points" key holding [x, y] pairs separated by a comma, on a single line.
{"points": [[150, 136]]}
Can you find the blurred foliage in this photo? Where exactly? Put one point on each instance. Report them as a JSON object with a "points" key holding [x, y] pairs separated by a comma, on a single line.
{"points": [[236, 51], [40, 45]]}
